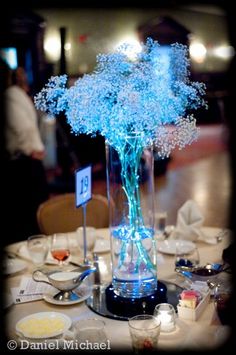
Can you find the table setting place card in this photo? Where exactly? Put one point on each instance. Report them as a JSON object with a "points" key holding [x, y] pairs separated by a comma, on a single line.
{"points": [[30, 290]]}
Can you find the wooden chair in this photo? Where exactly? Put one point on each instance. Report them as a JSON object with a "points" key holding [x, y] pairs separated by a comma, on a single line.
{"points": [[59, 214]]}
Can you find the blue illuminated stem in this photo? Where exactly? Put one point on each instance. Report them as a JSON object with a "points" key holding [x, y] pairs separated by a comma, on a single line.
{"points": [[130, 155]]}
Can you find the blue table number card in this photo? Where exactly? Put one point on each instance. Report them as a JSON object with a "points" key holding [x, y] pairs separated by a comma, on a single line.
{"points": [[83, 185]]}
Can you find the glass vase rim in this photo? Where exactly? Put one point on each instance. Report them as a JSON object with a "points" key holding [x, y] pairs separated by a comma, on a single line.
{"points": [[139, 317]]}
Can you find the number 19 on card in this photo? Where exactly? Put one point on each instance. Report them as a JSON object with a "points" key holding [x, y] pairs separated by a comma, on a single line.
{"points": [[83, 185]]}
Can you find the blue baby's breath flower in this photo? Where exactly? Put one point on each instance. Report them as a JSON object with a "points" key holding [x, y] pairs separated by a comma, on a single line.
{"points": [[123, 96]]}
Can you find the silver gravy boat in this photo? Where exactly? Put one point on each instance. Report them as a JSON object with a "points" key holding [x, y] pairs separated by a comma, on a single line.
{"points": [[65, 281]]}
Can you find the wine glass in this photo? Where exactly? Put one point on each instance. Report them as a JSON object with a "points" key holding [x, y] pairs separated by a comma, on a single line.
{"points": [[186, 256], [223, 300], [186, 259], [60, 247]]}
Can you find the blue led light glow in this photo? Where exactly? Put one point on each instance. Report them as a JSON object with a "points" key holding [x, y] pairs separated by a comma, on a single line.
{"points": [[123, 96], [133, 104]]}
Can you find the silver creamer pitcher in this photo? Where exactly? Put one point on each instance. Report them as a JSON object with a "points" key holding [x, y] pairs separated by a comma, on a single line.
{"points": [[65, 281]]}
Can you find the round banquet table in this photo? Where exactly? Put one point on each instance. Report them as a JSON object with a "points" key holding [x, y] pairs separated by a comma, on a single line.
{"points": [[194, 335]]}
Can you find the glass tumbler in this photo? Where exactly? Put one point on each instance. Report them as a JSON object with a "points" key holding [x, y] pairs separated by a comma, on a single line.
{"points": [[144, 331], [38, 247], [90, 331]]}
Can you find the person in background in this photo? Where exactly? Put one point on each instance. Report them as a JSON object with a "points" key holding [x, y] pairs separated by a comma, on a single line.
{"points": [[25, 174]]}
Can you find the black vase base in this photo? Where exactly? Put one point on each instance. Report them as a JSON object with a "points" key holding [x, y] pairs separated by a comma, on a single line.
{"points": [[105, 302]]}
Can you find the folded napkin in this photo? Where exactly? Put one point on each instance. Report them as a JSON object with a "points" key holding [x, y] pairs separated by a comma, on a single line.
{"points": [[189, 224]]}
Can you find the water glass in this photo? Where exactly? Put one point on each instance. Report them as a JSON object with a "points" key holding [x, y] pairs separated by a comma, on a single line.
{"points": [[90, 331], [186, 256], [165, 313], [144, 330], [38, 248], [90, 237]]}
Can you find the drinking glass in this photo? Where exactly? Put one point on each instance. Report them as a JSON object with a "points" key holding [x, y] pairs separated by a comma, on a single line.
{"points": [[90, 237], [37, 246], [90, 331], [144, 330], [186, 256], [60, 247]]}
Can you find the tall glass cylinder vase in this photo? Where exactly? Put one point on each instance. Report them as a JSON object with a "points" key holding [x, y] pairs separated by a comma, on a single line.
{"points": [[131, 197]]}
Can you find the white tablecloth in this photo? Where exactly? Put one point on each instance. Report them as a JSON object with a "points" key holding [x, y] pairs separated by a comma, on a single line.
{"points": [[203, 334]]}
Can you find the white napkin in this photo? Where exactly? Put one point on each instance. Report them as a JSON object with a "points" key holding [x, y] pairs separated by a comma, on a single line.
{"points": [[189, 222]]}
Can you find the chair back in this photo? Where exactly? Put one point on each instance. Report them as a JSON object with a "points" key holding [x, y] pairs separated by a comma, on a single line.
{"points": [[60, 215]]}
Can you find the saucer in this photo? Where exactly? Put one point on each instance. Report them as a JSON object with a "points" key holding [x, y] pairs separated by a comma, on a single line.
{"points": [[83, 291], [169, 246]]}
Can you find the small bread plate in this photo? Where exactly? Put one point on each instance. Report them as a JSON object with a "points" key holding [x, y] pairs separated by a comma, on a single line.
{"points": [[83, 291], [43, 325], [169, 246]]}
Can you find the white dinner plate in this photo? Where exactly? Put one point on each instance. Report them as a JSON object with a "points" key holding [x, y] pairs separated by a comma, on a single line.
{"points": [[12, 266], [43, 325], [83, 291], [169, 246], [101, 245]]}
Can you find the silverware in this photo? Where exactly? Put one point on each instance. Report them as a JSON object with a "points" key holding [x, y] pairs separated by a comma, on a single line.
{"points": [[75, 263], [219, 237]]}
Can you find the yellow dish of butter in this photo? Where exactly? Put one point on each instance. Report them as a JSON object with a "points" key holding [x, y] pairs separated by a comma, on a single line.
{"points": [[43, 325]]}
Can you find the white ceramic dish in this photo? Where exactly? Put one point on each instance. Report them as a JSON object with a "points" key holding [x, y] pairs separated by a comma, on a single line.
{"points": [[169, 246], [12, 266], [43, 325], [83, 291]]}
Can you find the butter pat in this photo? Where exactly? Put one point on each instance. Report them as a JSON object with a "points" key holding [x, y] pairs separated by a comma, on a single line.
{"points": [[189, 303]]}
